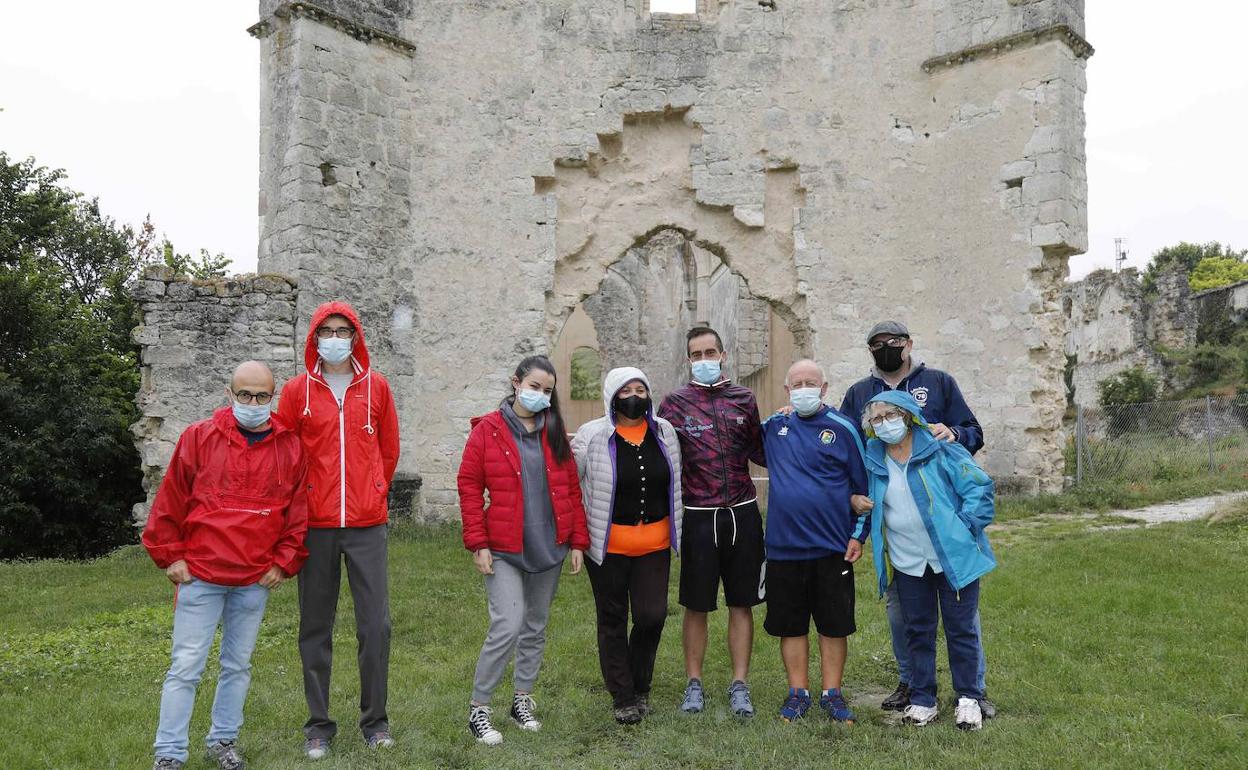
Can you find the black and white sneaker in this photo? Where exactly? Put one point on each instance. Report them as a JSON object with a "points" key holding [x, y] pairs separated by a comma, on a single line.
{"points": [[968, 716], [481, 727], [522, 708], [899, 699], [167, 763], [987, 708], [226, 755]]}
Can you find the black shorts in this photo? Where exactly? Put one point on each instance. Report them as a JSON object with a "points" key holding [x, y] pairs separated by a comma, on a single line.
{"points": [[822, 588], [724, 543]]}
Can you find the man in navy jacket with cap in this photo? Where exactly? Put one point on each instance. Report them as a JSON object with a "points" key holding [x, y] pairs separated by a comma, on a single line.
{"points": [[945, 410]]}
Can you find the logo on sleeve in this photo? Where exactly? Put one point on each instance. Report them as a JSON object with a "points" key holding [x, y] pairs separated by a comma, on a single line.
{"points": [[920, 396], [827, 437]]}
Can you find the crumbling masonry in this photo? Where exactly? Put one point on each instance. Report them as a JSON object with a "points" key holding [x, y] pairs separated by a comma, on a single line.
{"points": [[466, 172]]}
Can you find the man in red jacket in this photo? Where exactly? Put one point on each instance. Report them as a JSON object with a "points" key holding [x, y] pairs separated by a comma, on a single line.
{"points": [[227, 526], [344, 413]]}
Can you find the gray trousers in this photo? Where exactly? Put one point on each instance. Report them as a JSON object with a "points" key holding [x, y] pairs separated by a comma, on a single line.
{"points": [[364, 550], [519, 604]]}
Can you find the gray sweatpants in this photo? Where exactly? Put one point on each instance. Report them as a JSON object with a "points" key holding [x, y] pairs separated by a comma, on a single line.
{"points": [[519, 605], [364, 551]]}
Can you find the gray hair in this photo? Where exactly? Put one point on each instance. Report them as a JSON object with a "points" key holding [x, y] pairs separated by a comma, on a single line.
{"points": [[866, 413], [822, 375]]}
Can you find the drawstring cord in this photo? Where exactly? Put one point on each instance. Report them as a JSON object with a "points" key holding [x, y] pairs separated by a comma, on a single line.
{"points": [[368, 418], [715, 524]]}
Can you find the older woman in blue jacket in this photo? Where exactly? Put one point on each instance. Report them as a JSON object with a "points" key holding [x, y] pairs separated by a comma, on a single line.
{"points": [[930, 504]]}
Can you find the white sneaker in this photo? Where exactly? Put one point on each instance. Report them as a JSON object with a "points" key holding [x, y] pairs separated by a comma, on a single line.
{"points": [[522, 708], [920, 716], [968, 716], [481, 727]]}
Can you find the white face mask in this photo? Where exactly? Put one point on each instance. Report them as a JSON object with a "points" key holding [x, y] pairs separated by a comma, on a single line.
{"points": [[334, 350], [805, 401], [891, 431]]}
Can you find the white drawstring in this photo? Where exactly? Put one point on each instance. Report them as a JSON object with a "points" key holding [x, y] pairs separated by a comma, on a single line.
{"points": [[368, 418], [715, 524]]}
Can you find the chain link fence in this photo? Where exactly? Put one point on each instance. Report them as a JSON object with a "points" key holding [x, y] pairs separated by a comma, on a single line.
{"points": [[1160, 440]]}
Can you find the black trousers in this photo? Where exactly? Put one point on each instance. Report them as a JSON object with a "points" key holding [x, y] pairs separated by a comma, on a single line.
{"points": [[621, 583], [364, 550]]}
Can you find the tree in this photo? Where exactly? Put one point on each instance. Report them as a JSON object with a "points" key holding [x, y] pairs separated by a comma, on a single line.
{"points": [[69, 472], [1212, 272], [1186, 256], [1130, 386]]}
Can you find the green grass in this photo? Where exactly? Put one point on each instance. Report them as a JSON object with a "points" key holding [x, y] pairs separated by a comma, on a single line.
{"points": [[1106, 649]]}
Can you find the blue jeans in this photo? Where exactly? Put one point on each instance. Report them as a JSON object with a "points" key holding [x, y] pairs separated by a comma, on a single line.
{"points": [[200, 606], [897, 630], [924, 601]]}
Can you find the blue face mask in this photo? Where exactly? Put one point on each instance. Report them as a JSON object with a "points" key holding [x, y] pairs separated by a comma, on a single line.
{"points": [[252, 416], [334, 350], [891, 431], [533, 400], [805, 401], [706, 372]]}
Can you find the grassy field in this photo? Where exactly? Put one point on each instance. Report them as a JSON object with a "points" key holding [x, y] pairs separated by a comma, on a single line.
{"points": [[1121, 648]]}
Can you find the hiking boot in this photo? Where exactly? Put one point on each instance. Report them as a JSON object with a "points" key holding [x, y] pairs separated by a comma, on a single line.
{"points": [[796, 705], [481, 727], [167, 763], [316, 748], [694, 700], [380, 740], [226, 755], [834, 704], [899, 699], [739, 699], [920, 716], [628, 715], [643, 704], [522, 708], [968, 716], [987, 708]]}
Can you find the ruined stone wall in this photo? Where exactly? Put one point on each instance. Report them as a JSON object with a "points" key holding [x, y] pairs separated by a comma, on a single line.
{"points": [[466, 173], [192, 336]]}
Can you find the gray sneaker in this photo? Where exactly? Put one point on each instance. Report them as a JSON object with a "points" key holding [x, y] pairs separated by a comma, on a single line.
{"points": [[167, 763], [739, 699], [226, 755], [694, 700]]}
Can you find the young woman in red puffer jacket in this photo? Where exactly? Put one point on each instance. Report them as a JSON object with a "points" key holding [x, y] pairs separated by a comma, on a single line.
{"points": [[519, 455]]}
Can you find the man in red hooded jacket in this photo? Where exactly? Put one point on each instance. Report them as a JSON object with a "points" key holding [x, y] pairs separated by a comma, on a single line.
{"points": [[344, 412], [227, 526]]}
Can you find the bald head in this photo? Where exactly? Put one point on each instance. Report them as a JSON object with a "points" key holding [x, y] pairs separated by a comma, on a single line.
{"points": [[804, 374], [252, 376]]}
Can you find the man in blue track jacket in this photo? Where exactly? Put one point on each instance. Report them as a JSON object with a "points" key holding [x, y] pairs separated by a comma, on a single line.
{"points": [[814, 456], [945, 410]]}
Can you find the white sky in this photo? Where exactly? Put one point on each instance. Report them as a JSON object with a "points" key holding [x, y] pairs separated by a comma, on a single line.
{"points": [[152, 105]]}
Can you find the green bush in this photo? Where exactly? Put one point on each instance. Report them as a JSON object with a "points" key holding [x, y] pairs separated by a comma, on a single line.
{"points": [[1131, 386]]}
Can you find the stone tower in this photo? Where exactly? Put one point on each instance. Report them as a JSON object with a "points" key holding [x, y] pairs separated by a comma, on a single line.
{"points": [[465, 173]]}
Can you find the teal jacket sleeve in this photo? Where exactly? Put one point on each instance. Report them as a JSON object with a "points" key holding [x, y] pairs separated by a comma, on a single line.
{"points": [[974, 489]]}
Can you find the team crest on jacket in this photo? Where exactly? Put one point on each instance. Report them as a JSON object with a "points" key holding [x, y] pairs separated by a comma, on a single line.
{"points": [[827, 437], [920, 396]]}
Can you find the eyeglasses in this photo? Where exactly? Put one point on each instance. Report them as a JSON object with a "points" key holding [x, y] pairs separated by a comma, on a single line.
{"points": [[892, 342], [341, 332], [247, 397], [879, 419]]}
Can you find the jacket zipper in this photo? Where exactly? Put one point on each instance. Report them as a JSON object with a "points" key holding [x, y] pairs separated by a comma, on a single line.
{"points": [[931, 516], [719, 444], [260, 511], [342, 463]]}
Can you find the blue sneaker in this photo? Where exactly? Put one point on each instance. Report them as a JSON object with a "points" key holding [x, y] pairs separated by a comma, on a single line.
{"points": [[834, 703], [694, 699], [796, 705]]}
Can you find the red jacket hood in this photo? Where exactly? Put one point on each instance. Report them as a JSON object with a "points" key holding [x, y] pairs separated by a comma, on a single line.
{"points": [[494, 418], [359, 353]]}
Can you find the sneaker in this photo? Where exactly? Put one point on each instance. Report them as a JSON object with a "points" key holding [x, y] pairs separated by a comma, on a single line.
{"points": [[694, 699], [316, 748], [522, 708], [480, 726], [987, 708], [739, 699], [920, 716], [899, 699], [834, 704], [796, 705], [167, 763], [968, 716], [628, 715], [380, 740], [643, 704], [226, 755]]}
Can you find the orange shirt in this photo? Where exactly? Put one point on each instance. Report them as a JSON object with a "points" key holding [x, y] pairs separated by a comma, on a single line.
{"points": [[640, 539]]}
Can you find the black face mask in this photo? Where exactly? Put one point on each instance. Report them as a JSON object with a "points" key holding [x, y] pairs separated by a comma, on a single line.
{"points": [[887, 358], [631, 407]]}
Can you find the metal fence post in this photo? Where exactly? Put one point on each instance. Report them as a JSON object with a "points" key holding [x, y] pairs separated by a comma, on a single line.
{"points": [[1209, 429], [1079, 445]]}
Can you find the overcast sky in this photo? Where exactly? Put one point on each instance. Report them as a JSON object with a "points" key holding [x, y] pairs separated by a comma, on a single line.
{"points": [[152, 105]]}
